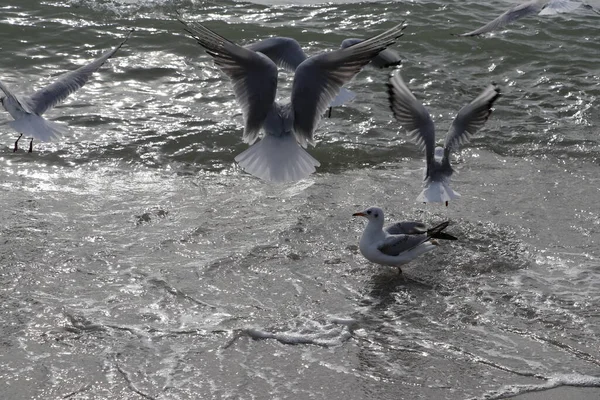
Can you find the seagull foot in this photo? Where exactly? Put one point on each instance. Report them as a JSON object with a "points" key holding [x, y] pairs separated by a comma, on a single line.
{"points": [[17, 143], [31, 146], [329, 113]]}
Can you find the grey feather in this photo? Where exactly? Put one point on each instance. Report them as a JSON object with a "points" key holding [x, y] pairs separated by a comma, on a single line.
{"points": [[253, 75], [319, 79], [413, 116], [469, 120], [385, 59], [66, 84], [393, 245], [406, 228], [283, 51]]}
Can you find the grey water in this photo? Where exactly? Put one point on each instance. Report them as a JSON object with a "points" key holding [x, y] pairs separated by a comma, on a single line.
{"points": [[138, 261]]}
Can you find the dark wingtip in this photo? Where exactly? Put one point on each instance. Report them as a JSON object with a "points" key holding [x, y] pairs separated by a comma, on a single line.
{"points": [[444, 236], [436, 232]]}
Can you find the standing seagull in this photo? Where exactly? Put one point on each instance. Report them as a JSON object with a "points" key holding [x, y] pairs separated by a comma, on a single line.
{"points": [[540, 7], [279, 156], [415, 118], [27, 110], [397, 244]]}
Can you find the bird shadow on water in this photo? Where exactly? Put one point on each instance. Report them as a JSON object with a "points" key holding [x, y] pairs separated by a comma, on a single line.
{"points": [[385, 286]]}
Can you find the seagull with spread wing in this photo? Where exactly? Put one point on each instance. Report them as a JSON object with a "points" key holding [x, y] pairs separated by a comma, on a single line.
{"points": [[27, 110], [399, 243], [287, 128], [415, 119], [540, 7]]}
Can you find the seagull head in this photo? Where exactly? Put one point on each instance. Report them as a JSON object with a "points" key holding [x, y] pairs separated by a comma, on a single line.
{"points": [[372, 214]]}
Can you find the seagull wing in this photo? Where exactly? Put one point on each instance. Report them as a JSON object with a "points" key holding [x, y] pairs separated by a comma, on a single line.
{"points": [[513, 14], [14, 98], [51, 95], [406, 228], [469, 120], [413, 116], [395, 245], [283, 51], [560, 6], [385, 59], [319, 79], [254, 76]]}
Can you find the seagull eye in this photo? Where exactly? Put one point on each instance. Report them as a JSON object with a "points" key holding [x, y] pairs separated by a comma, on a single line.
{"points": [[369, 212]]}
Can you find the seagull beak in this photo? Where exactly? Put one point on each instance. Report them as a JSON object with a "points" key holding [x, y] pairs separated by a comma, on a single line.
{"points": [[359, 214]]}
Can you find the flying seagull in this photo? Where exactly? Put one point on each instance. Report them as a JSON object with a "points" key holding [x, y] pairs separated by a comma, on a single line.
{"points": [[279, 156], [415, 118], [399, 243], [540, 7], [27, 110]]}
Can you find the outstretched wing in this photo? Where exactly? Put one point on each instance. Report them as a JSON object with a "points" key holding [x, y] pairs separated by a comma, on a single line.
{"points": [[319, 78], [51, 95], [560, 6], [413, 116], [283, 51], [254, 76], [469, 120], [385, 59], [513, 14], [396, 244], [406, 228], [15, 99]]}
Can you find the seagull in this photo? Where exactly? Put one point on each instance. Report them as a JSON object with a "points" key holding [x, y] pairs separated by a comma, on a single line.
{"points": [[399, 243], [415, 118], [540, 7], [288, 128], [27, 110]]}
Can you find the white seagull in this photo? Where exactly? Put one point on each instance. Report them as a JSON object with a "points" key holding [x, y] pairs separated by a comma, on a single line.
{"points": [[27, 110], [540, 7], [415, 118], [279, 156], [399, 243]]}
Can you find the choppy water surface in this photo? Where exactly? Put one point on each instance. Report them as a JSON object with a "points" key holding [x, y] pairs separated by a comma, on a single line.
{"points": [[137, 261]]}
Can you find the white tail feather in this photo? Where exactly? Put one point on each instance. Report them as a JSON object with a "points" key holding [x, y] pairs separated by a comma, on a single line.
{"points": [[32, 125], [437, 192], [277, 159], [343, 97]]}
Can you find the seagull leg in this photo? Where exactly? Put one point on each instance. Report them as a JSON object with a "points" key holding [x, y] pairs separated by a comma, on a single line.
{"points": [[329, 112], [31, 146], [17, 144], [446, 204]]}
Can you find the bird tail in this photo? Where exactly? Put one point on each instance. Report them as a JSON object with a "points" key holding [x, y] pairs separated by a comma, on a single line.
{"points": [[277, 159], [33, 125], [436, 232], [437, 192], [343, 97]]}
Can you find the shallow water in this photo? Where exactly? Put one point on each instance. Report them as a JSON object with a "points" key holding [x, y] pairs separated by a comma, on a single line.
{"points": [[137, 261]]}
